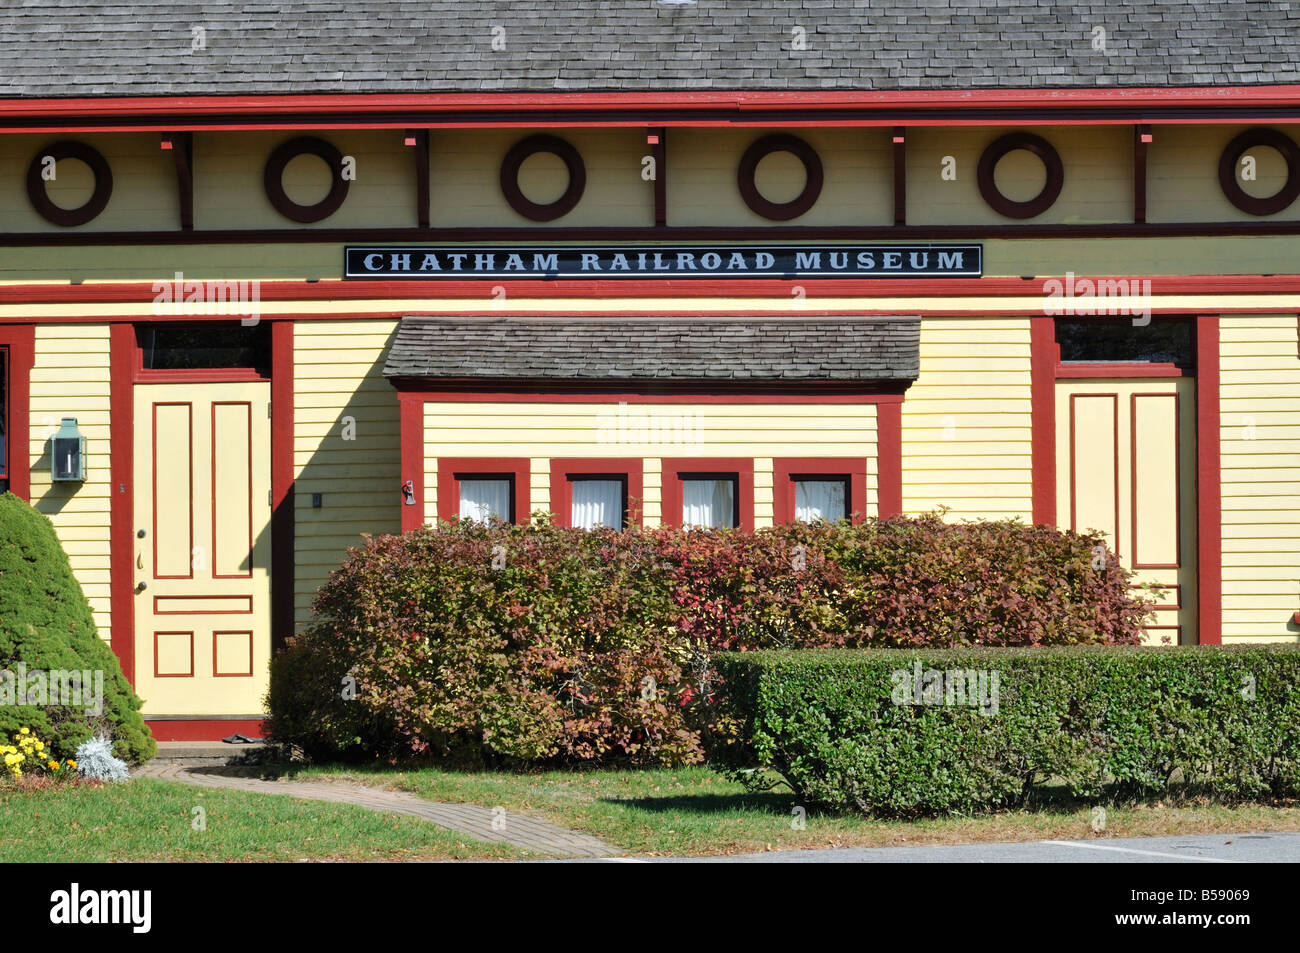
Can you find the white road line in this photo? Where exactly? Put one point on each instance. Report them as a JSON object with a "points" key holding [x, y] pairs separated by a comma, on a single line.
{"points": [[1147, 853]]}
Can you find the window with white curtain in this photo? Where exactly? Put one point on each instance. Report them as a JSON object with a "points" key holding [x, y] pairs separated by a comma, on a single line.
{"points": [[709, 502], [483, 498], [820, 499], [597, 502]]}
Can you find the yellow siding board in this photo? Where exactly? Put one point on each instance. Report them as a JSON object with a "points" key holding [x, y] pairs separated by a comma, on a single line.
{"points": [[1248, 558], [70, 379], [338, 372], [1238, 576], [966, 420], [1256, 546], [1244, 472]]}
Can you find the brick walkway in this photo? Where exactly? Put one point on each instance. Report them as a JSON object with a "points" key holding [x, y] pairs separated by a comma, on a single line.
{"points": [[472, 820]]}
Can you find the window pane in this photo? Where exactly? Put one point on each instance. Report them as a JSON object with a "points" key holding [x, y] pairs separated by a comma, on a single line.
{"points": [[483, 499], [218, 344], [1099, 341], [820, 500], [597, 503], [709, 503]]}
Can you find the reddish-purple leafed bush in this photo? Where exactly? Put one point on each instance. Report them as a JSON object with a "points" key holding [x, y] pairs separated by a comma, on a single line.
{"points": [[536, 643]]}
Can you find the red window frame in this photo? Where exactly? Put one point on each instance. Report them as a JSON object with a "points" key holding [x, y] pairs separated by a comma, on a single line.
{"points": [[564, 469], [675, 468], [1108, 369], [515, 469], [786, 470], [18, 342], [193, 375]]}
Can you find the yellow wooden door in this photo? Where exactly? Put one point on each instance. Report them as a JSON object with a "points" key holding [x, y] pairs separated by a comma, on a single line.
{"points": [[1126, 465], [203, 547]]}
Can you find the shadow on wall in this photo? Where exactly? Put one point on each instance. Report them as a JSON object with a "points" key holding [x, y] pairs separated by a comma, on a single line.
{"points": [[348, 483], [56, 495]]}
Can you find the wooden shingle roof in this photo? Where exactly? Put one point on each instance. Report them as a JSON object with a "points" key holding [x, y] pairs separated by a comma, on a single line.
{"points": [[86, 48], [657, 349]]}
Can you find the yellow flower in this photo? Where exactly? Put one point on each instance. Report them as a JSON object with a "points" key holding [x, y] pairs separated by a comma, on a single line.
{"points": [[71, 763], [24, 731], [54, 765]]}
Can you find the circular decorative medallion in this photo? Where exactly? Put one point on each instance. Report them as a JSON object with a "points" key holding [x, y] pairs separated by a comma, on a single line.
{"points": [[1231, 158], [40, 199], [760, 150], [273, 179], [994, 154], [519, 153]]}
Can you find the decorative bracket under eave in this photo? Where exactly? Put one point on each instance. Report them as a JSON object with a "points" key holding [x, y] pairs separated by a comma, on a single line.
{"points": [[900, 175], [418, 139], [1141, 139], [181, 146], [655, 138]]}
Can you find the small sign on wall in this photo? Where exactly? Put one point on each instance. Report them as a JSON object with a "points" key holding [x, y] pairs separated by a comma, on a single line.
{"points": [[665, 261]]}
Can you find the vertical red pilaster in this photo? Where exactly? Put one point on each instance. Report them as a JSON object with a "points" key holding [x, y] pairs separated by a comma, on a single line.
{"points": [[889, 457], [122, 540], [1209, 494], [20, 341], [1042, 355], [412, 436], [282, 496]]}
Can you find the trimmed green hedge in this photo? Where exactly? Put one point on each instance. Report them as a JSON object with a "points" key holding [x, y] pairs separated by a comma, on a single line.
{"points": [[858, 730], [46, 625]]}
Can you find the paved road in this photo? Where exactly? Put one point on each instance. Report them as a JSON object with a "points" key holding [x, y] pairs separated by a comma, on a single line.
{"points": [[1197, 848]]}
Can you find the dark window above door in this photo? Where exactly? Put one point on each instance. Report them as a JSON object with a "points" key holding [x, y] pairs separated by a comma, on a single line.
{"points": [[1119, 341], [214, 345]]}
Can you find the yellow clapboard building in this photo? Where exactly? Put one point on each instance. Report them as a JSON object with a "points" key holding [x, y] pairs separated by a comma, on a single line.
{"points": [[270, 283]]}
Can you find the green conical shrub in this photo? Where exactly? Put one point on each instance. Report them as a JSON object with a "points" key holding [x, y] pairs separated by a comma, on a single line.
{"points": [[46, 625]]}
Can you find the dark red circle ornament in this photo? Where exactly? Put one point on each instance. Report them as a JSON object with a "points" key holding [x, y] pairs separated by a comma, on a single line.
{"points": [[1045, 152], [98, 200], [1238, 147], [273, 179], [519, 153], [760, 150]]}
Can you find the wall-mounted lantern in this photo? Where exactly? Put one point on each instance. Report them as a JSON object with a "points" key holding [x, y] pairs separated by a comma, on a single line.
{"points": [[68, 453]]}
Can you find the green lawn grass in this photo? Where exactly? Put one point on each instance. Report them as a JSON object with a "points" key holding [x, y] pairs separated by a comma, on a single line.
{"points": [[686, 811], [699, 811], [150, 820]]}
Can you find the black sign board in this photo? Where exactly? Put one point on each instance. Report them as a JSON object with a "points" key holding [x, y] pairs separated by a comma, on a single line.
{"points": [[665, 261]]}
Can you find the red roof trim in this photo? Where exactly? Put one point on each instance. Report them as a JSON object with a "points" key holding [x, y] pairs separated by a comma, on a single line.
{"points": [[1288, 95], [727, 106], [626, 289]]}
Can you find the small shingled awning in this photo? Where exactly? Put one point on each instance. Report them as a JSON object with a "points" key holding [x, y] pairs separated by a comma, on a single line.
{"points": [[580, 348]]}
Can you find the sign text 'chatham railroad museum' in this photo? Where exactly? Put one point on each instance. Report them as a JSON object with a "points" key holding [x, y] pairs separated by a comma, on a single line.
{"points": [[665, 261]]}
